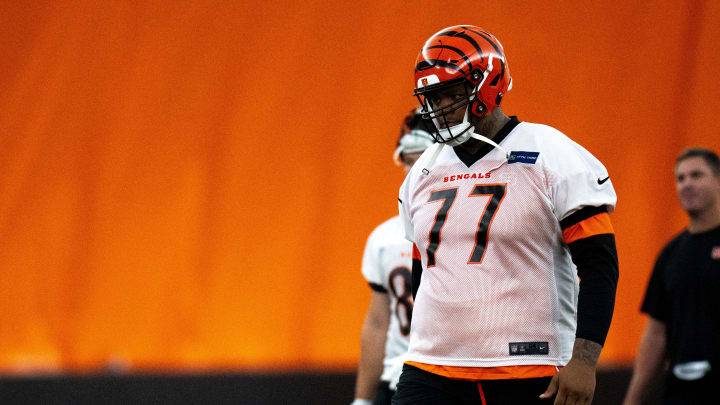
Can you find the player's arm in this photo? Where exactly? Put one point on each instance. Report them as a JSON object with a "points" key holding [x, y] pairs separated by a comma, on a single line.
{"points": [[591, 240], [649, 361], [575, 383], [372, 349]]}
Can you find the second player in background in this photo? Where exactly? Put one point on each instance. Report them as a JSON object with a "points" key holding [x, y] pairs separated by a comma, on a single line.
{"points": [[386, 266]]}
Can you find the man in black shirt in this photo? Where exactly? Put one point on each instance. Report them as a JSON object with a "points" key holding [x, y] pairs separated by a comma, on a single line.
{"points": [[683, 295]]}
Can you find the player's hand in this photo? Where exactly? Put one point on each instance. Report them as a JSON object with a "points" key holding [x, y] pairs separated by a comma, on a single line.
{"points": [[574, 384]]}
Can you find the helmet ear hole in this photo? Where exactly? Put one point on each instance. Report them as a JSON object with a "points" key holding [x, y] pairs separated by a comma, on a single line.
{"points": [[479, 109]]}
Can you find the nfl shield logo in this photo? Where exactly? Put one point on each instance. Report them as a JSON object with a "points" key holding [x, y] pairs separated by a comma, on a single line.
{"points": [[424, 81]]}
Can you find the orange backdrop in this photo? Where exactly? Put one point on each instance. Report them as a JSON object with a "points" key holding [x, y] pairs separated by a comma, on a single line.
{"points": [[189, 185]]}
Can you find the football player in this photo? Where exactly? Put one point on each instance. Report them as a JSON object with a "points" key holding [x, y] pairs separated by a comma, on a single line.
{"points": [[515, 267], [386, 266]]}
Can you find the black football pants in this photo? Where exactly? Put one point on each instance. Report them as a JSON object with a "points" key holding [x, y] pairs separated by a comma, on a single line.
{"points": [[419, 387]]}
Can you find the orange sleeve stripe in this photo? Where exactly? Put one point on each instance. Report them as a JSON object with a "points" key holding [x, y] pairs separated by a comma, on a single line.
{"points": [[487, 373], [595, 225], [416, 253]]}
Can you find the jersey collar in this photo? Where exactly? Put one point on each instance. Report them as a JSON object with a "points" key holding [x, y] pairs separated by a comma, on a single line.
{"points": [[470, 158]]}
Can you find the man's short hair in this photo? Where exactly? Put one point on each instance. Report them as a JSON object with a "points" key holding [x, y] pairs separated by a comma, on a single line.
{"points": [[710, 157]]}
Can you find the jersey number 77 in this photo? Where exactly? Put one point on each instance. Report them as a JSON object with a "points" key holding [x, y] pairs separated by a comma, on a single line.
{"points": [[496, 193]]}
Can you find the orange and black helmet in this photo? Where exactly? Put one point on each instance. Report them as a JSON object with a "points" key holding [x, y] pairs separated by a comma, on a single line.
{"points": [[463, 54]]}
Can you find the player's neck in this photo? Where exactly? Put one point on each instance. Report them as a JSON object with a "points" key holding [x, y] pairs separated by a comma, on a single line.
{"points": [[704, 220], [488, 127]]}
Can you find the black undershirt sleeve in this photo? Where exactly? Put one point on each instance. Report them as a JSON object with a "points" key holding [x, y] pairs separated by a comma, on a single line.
{"points": [[597, 263], [416, 276]]}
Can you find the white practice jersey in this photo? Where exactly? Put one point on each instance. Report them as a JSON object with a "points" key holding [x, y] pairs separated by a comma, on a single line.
{"points": [[497, 276], [387, 264]]}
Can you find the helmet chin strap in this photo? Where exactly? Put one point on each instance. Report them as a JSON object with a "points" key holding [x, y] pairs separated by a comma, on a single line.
{"points": [[463, 130]]}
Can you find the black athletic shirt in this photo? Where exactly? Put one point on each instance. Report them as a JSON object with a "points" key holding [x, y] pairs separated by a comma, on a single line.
{"points": [[684, 293]]}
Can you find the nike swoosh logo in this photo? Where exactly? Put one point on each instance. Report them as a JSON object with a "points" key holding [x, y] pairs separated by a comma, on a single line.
{"points": [[601, 181]]}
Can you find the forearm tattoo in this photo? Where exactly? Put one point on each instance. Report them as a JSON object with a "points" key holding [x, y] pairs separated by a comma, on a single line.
{"points": [[586, 351]]}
